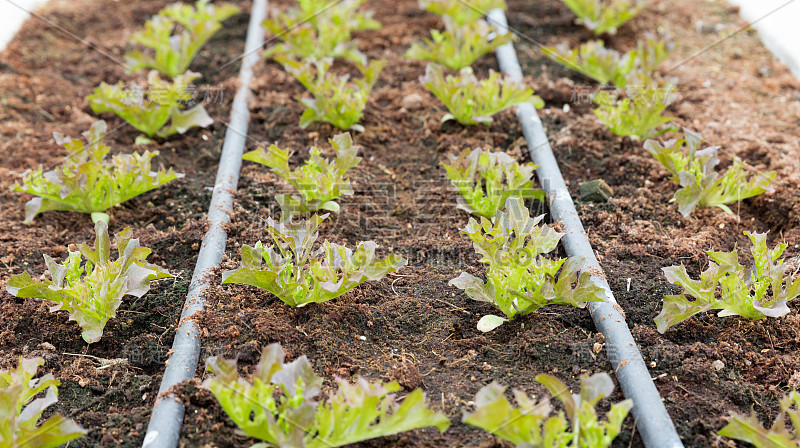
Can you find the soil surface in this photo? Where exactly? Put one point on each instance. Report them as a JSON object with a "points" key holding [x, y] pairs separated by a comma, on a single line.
{"points": [[410, 327]]}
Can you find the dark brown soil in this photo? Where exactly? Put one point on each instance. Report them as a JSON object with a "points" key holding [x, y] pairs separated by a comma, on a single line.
{"points": [[415, 328]]}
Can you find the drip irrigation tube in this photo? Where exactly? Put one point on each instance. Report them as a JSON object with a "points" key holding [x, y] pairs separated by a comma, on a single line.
{"points": [[163, 431], [652, 419]]}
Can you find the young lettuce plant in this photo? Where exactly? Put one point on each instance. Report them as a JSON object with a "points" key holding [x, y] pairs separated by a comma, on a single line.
{"points": [[89, 183], [520, 279], [701, 185], [639, 114], [487, 179], [279, 405], [760, 291], [335, 99], [20, 412], [780, 435], [471, 101], [458, 46], [594, 60], [319, 181], [320, 29], [606, 65], [532, 423], [462, 12], [604, 16], [172, 53], [92, 291], [149, 110], [297, 274]]}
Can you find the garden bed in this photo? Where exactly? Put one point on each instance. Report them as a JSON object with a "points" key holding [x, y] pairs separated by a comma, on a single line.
{"points": [[410, 327]]}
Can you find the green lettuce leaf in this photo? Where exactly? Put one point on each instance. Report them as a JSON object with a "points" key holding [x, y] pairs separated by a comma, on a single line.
{"points": [[638, 115], [780, 435], [278, 405], [532, 424], [471, 101], [701, 185], [298, 274], [458, 46], [149, 109], [604, 16], [762, 291], [320, 29], [319, 181], [87, 182], [20, 412], [462, 12], [91, 290], [519, 279], [173, 52], [487, 179], [335, 99]]}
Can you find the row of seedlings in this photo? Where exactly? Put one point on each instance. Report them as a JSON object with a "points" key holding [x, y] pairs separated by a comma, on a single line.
{"points": [[493, 187], [90, 284], [634, 108]]}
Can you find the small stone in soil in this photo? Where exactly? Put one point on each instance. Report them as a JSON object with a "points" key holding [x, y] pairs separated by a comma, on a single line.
{"points": [[596, 191], [412, 101]]}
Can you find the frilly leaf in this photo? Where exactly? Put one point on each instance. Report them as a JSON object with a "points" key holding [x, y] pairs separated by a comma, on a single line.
{"points": [[471, 101]]}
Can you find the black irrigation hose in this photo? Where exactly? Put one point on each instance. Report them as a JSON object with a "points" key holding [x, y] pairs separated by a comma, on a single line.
{"points": [[164, 428], [651, 416]]}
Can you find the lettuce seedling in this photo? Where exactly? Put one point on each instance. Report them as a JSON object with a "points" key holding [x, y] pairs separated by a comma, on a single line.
{"points": [[639, 114], [20, 412], [458, 46], [604, 16], [487, 179], [319, 181], [780, 435], [148, 110], [520, 279], [594, 60], [462, 12], [172, 53], [471, 101], [89, 183], [298, 274], [701, 185], [532, 423], [320, 29], [606, 65], [755, 293], [335, 99], [92, 291], [278, 404]]}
